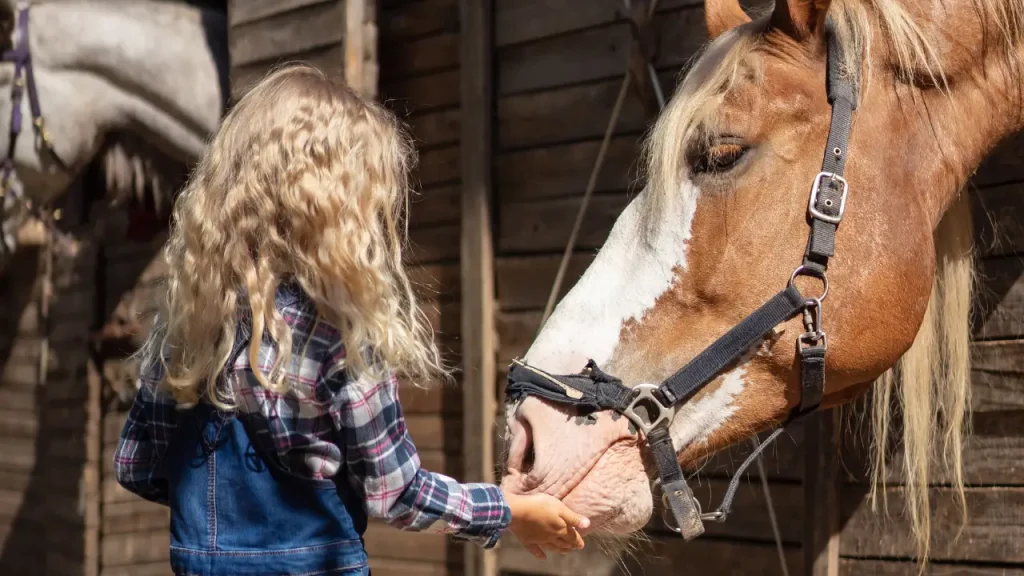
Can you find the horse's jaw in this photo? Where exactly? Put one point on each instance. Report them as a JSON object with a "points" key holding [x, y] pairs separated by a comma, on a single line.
{"points": [[113, 73]]}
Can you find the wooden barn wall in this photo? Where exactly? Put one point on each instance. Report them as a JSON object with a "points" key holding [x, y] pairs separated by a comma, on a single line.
{"points": [[48, 415], [134, 532], [44, 485], [265, 33], [419, 81], [558, 70], [22, 436]]}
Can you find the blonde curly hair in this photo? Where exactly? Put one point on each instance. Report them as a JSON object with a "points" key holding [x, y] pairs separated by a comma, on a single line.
{"points": [[303, 181]]}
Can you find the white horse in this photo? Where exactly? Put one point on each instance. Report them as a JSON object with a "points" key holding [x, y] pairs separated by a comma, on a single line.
{"points": [[138, 85]]}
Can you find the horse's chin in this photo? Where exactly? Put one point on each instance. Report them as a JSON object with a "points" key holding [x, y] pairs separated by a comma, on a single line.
{"points": [[616, 494]]}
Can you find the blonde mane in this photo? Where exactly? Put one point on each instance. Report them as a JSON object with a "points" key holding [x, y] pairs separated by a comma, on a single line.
{"points": [[931, 382]]}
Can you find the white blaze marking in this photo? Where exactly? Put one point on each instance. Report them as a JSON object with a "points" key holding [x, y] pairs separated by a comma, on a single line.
{"points": [[695, 421], [630, 272], [636, 265]]}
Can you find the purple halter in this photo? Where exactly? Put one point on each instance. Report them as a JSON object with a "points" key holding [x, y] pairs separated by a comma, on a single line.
{"points": [[24, 78]]}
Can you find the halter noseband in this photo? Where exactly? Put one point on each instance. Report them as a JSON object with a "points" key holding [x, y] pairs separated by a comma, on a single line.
{"points": [[651, 408]]}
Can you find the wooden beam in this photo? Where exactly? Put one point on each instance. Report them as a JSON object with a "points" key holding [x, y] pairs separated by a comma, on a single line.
{"points": [[477, 260], [93, 473], [371, 55], [355, 17], [821, 493]]}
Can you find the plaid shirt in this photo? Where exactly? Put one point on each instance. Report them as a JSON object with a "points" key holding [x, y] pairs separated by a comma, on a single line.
{"points": [[324, 424]]}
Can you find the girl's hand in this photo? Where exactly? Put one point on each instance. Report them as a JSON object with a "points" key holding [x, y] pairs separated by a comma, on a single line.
{"points": [[543, 521]]}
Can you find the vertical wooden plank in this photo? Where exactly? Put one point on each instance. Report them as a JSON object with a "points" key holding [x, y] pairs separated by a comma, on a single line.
{"points": [[45, 302], [93, 469], [370, 67], [355, 17], [821, 493], [361, 46], [477, 260]]}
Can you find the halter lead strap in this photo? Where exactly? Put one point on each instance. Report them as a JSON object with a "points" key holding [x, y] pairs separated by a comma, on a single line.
{"points": [[651, 408]]}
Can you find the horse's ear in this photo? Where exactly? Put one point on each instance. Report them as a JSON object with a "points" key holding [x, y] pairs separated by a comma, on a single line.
{"points": [[723, 15], [800, 19]]}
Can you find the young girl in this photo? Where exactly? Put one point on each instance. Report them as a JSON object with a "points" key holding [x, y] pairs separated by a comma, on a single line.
{"points": [[267, 416]]}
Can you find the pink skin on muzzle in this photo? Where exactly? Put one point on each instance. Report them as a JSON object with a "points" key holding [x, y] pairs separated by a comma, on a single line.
{"points": [[592, 463]]}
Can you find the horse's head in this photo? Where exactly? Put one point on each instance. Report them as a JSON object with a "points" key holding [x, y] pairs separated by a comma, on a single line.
{"points": [[723, 222]]}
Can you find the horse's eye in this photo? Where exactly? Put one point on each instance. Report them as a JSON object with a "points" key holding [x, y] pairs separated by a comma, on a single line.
{"points": [[718, 158]]}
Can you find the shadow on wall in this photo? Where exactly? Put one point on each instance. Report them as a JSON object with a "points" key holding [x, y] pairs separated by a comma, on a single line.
{"points": [[22, 432], [43, 421]]}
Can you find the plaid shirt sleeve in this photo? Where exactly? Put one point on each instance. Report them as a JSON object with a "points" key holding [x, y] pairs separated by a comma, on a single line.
{"points": [[383, 464], [144, 438]]}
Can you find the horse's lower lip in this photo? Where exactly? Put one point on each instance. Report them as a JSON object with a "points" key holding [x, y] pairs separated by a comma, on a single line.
{"points": [[568, 488]]}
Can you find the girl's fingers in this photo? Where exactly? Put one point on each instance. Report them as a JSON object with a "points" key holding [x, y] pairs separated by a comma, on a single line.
{"points": [[573, 519], [571, 538], [536, 551]]}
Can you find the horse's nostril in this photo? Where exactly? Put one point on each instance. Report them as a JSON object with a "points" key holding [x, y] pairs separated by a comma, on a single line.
{"points": [[521, 455]]}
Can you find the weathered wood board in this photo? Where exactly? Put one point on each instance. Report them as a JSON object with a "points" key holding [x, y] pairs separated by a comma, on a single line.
{"points": [[265, 34]]}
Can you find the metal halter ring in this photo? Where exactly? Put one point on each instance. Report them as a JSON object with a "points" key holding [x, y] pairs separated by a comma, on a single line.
{"points": [[666, 514], [666, 509], [805, 271], [643, 397]]}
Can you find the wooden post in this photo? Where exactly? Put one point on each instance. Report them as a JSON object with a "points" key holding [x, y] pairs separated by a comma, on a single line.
{"points": [[93, 473], [821, 493], [477, 261], [354, 16], [642, 51], [361, 46]]}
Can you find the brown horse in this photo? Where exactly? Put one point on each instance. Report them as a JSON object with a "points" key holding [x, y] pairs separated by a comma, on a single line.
{"points": [[722, 223]]}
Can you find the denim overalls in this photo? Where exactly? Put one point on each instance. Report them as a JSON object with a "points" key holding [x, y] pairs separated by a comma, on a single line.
{"points": [[234, 512]]}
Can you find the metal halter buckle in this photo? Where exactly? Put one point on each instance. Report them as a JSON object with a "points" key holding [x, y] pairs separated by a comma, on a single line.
{"points": [[666, 510], [643, 396], [816, 188]]}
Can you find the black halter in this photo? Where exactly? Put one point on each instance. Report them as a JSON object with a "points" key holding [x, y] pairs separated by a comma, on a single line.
{"points": [[651, 407]]}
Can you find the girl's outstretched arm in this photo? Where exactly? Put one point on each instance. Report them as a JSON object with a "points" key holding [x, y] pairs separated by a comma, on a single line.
{"points": [[384, 467]]}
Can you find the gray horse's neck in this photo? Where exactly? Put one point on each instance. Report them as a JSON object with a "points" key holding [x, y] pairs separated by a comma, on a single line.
{"points": [[168, 60]]}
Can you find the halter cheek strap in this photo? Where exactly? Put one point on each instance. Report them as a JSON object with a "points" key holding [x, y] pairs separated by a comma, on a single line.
{"points": [[24, 80], [651, 408]]}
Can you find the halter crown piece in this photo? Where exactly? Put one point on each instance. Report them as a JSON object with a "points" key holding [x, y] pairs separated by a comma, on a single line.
{"points": [[651, 408]]}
